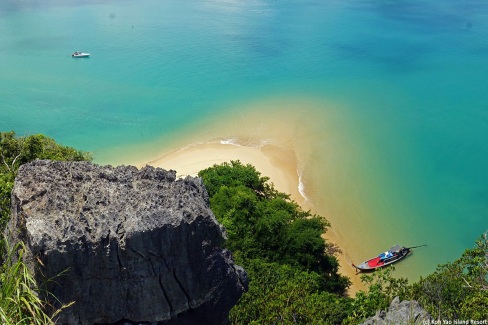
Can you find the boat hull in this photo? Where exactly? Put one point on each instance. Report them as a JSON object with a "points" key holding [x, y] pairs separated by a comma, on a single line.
{"points": [[379, 262], [81, 55]]}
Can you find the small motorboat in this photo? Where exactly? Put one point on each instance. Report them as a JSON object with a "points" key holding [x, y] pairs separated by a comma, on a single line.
{"points": [[80, 55], [394, 254]]}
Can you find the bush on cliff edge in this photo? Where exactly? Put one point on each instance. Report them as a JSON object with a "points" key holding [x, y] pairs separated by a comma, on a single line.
{"points": [[15, 151], [19, 301], [292, 279]]}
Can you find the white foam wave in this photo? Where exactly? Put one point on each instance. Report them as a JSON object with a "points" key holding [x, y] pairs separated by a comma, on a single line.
{"points": [[230, 141], [240, 142], [301, 187]]}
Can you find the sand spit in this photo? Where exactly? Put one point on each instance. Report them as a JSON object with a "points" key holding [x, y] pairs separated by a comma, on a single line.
{"points": [[279, 148]]}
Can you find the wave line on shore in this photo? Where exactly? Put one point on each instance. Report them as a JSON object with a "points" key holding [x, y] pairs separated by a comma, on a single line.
{"points": [[252, 143]]}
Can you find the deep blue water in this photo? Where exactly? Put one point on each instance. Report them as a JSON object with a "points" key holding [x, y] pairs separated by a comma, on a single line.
{"points": [[411, 79]]}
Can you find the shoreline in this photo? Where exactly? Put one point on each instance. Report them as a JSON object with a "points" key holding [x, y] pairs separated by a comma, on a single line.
{"points": [[278, 163], [271, 161]]}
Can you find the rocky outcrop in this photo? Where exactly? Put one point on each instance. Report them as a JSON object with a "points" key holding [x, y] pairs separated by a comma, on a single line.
{"points": [[405, 312], [132, 245]]}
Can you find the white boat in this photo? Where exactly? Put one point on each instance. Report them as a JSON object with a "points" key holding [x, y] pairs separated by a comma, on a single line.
{"points": [[80, 55]]}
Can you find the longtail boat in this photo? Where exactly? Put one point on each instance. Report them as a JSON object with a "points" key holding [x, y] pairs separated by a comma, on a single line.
{"points": [[394, 254]]}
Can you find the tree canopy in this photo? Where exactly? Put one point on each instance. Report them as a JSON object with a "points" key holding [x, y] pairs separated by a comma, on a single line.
{"points": [[457, 290], [282, 294], [292, 279], [15, 151]]}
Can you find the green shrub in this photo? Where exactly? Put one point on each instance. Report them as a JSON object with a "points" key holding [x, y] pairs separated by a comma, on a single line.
{"points": [[265, 224], [282, 294], [294, 281], [19, 292], [382, 289], [15, 151], [458, 290]]}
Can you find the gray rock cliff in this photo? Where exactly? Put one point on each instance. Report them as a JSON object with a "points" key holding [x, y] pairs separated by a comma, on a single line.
{"points": [[137, 246], [400, 313]]}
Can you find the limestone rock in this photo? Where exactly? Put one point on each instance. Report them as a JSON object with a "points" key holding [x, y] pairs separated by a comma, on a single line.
{"points": [[134, 245], [405, 312]]}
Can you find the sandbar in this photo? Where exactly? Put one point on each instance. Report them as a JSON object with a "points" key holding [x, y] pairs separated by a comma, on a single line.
{"points": [[276, 163], [280, 137], [279, 164]]}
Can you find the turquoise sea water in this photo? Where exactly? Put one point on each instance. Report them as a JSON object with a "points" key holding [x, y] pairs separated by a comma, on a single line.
{"points": [[409, 78]]}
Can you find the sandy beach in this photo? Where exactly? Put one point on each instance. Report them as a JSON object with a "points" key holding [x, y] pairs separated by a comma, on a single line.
{"points": [[278, 163], [284, 139]]}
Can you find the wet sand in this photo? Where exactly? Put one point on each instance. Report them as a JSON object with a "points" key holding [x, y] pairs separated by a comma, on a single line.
{"points": [[286, 139], [277, 163]]}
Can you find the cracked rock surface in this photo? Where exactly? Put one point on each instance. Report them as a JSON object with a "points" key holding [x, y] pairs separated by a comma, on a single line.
{"points": [[137, 246], [405, 312]]}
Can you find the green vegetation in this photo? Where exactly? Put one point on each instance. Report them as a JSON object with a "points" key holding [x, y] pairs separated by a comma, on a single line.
{"points": [[382, 289], [457, 290], [293, 280], [19, 298], [15, 151], [19, 303], [265, 224], [280, 293], [19, 292]]}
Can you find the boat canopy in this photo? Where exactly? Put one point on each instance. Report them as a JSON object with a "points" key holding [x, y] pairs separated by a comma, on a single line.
{"points": [[396, 249]]}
